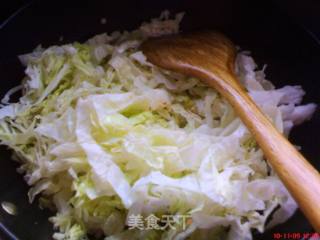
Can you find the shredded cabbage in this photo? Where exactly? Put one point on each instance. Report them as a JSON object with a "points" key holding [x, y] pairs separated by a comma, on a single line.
{"points": [[102, 134]]}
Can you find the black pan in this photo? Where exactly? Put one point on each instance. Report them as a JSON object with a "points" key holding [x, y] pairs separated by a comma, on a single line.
{"points": [[293, 57]]}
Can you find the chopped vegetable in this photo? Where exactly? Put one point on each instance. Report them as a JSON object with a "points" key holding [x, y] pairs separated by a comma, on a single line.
{"points": [[103, 135], [9, 208]]}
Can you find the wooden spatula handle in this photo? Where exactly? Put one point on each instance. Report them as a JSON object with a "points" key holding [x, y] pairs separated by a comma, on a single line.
{"points": [[299, 176]]}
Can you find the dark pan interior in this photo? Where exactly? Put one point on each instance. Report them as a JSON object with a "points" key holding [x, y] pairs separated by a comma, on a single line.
{"points": [[293, 57]]}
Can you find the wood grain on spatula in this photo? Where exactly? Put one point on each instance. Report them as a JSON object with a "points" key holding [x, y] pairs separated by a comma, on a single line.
{"points": [[210, 56]]}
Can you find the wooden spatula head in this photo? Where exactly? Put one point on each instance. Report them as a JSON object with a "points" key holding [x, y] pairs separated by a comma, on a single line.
{"points": [[192, 54]]}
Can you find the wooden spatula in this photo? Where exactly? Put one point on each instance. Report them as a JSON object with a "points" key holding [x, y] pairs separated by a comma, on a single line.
{"points": [[210, 57]]}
